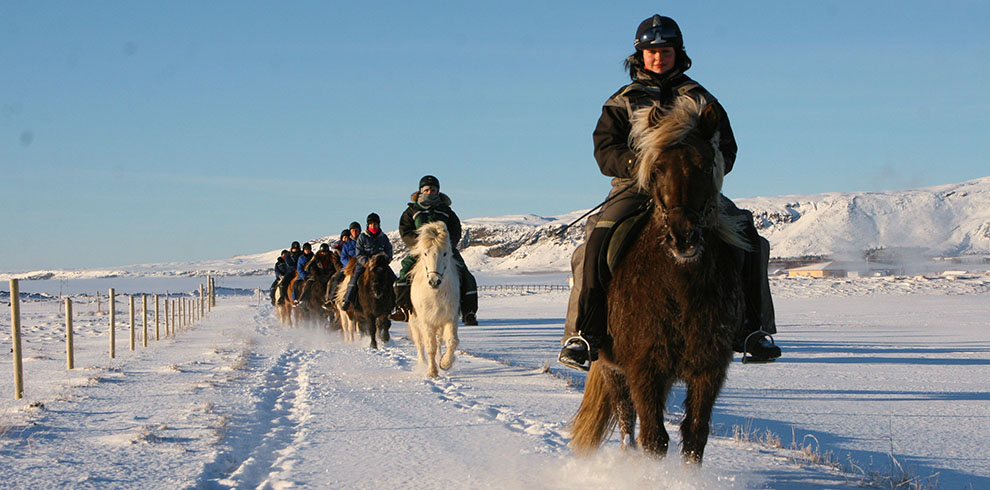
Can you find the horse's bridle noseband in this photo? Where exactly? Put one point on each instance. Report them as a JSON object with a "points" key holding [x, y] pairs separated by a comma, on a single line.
{"points": [[437, 272]]}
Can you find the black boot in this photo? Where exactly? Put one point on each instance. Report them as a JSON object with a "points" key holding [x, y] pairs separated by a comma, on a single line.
{"points": [[469, 308], [349, 296], [403, 303], [592, 324], [754, 339], [592, 318], [758, 347]]}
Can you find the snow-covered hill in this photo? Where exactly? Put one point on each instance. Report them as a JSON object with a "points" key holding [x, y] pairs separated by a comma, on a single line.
{"points": [[951, 219], [944, 220]]}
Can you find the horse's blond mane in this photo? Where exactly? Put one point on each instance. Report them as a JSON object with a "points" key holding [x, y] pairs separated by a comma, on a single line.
{"points": [[655, 129], [431, 235]]}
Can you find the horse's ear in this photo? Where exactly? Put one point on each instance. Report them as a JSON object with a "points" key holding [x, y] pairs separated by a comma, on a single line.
{"points": [[709, 121]]}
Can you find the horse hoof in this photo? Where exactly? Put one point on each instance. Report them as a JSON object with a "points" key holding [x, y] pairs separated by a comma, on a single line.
{"points": [[446, 363]]}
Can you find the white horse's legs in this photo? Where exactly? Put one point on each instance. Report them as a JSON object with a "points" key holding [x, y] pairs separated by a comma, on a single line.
{"points": [[417, 338], [432, 346], [451, 341], [347, 327]]}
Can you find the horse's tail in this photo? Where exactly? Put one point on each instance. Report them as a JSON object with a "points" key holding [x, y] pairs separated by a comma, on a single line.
{"points": [[596, 418]]}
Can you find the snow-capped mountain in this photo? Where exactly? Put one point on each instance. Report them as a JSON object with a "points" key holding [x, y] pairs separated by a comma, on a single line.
{"points": [[944, 220], [950, 219]]}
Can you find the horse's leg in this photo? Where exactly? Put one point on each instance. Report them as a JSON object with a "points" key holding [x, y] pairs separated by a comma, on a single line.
{"points": [[702, 390], [432, 345], [372, 325], [383, 323], [649, 390], [451, 341], [345, 320], [414, 331], [624, 410]]}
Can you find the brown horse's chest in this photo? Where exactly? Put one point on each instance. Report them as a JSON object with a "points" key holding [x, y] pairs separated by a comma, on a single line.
{"points": [[681, 314]]}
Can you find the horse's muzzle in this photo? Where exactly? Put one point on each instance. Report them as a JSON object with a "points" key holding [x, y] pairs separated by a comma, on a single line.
{"points": [[686, 246], [435, 281]]}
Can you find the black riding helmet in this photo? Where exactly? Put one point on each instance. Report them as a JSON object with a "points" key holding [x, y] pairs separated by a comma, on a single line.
{"points": [[295, 246], [373, 218], [324, 247], [429, 180], [307, 246], [354, 226], [658, 32]]}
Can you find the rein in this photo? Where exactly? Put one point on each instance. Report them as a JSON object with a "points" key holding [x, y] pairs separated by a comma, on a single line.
{"points": [[561, 231]]}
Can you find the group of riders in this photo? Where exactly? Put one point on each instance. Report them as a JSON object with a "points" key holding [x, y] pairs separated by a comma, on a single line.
{"points": [[426, 205], [656, 70]]}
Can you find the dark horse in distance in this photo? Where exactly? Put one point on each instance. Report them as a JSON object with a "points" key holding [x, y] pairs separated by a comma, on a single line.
{"points": [[676, 300], [375, 300]]}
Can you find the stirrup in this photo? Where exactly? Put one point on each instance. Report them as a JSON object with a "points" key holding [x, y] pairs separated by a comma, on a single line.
{"points": [[747, 357], [399, 315], [570, 362]]}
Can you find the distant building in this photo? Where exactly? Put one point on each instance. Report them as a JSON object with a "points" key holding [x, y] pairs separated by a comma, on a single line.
{"points": [[833, 268]]}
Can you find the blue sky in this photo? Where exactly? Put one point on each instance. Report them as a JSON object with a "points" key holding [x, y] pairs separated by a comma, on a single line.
{"points": [[135, 132]]}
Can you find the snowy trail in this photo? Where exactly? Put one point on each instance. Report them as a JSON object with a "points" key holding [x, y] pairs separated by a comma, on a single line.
{"points": [[240, 402]]}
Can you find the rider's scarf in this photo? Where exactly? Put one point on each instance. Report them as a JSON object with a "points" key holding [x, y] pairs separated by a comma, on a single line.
{"points": [[428, 200]]}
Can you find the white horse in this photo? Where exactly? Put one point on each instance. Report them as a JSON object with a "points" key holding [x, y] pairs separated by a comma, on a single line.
{"points": [[435, 294]]}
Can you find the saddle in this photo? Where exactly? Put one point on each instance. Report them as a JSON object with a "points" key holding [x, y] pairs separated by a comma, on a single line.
{"points": [[620, 237]]}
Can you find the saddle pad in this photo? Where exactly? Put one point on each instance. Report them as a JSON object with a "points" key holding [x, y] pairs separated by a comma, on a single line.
{"points": [[622, 235]]}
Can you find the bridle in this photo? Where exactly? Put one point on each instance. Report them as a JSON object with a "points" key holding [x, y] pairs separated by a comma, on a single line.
{"points": [[706, 218], [439, 273]]}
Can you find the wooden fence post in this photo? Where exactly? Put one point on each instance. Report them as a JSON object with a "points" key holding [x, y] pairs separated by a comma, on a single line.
{"points": [[182, 312], [202, 302], [172, 316], [98, 308], [113, 328], [70, 361], [144, 320], [131, 301], [15, 328], [156, 318]]}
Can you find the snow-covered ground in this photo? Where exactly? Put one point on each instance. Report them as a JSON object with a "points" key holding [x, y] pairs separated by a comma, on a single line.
{"points": [[880, 377]]}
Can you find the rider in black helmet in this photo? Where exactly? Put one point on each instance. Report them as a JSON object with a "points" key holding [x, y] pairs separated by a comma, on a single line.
{"points": [[429, 205], [657, 72]]}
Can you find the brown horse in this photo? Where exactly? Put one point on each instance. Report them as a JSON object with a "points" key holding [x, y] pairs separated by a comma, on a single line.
{"points": [[312, 310], [676, 299], [375, 300]]}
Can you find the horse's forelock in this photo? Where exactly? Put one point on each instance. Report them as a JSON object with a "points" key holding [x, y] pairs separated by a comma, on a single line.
{"points": [[431, 235], [653, 132]]}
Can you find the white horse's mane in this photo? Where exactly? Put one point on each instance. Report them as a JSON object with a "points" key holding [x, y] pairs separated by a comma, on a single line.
{"points": [[430, 236]]}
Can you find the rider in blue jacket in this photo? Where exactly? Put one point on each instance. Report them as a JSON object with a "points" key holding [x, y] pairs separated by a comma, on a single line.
{"points": [[307, 254], [373, 241], [349, 249]]}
